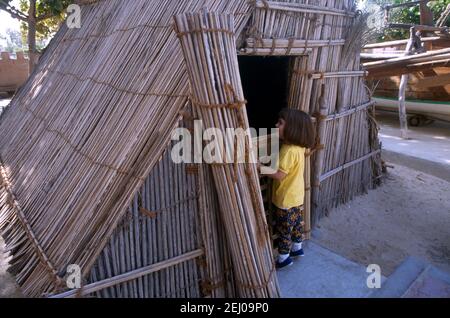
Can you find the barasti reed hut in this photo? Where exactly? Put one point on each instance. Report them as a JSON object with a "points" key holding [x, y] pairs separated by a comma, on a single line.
{"points": [[85, 145]]}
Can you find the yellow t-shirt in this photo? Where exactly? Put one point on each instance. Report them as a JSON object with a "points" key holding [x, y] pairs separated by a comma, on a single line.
{"points": [[290, 192]]}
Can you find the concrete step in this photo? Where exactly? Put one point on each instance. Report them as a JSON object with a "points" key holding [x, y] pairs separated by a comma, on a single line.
{"points": [[415, 278], [323, 274]]}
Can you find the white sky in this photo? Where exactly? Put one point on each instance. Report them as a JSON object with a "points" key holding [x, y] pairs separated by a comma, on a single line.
{"points": [[7, 22], [361, 4]]}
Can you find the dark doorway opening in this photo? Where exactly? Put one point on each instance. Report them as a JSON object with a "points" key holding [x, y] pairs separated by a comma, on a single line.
{"points": [[265, 84]]}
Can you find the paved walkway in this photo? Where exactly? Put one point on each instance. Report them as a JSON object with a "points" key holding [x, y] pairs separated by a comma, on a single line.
{"points": [[324, 274], [431, 142]]}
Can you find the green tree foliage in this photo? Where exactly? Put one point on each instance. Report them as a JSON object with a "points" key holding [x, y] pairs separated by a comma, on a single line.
{"points": [[45, 29], [409, 15], [40, 19]]}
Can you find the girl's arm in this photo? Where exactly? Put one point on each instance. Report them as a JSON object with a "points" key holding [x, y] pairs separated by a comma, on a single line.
{"points": [[280, 175]]}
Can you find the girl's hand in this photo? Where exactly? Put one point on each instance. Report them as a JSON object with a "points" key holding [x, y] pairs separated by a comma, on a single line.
{"points": [[279, 175]]}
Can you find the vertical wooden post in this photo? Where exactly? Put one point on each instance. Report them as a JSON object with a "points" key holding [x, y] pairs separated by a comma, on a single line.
{"points": [[426, 18], [426, 15], [386, 16], [320, 154], [402, 90], [402, 107], [307, 205]]}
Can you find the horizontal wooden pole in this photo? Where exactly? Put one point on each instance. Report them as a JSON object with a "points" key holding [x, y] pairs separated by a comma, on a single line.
{"points": [[417, 27], [348, 112], [285, 43], [401, 42], [275, 52], [348, 165], [119, 279], [406, 58], [431, 58], [305, 8], [316, 76], [381, 56], [407, 69], [434, 63], [409, 66]]}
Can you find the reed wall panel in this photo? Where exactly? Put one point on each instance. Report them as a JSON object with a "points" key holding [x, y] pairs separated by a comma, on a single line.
{"points": [[82, 135]]}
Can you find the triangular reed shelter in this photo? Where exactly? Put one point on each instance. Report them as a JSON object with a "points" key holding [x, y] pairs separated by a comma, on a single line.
{"points": [[86, 173]]}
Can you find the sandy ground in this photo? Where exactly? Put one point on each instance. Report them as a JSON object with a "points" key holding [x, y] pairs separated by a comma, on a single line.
{"points": [[408, 216]]}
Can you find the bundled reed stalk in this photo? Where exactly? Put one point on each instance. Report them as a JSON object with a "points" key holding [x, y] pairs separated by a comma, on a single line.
{"points": [[209, 49]]}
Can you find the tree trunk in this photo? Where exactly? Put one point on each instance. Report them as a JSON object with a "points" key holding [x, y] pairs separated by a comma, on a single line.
{"points": [[32, 52], [426, 18], [426, 15]]}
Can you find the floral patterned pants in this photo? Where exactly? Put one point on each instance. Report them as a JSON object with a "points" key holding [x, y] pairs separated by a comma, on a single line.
{"points": [[289, 227]]}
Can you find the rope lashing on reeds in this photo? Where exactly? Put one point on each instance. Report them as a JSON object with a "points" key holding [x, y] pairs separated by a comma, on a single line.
{"points": [[123, 90], [154, 213], [290, 46], [210, 284], [235, 105], [148, 213], [192, 169], [106, 35], [75, 148], [263, 285], [39, 251], [205, 30], [231, 105]]}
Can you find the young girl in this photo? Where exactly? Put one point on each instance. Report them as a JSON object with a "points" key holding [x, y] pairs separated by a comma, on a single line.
{"points": [[296, 134]]}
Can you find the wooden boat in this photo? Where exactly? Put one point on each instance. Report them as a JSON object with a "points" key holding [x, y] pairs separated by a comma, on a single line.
{"points": [[432, 109]]}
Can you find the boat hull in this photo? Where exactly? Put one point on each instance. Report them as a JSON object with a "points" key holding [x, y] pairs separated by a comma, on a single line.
{"points": [[437, 110]]}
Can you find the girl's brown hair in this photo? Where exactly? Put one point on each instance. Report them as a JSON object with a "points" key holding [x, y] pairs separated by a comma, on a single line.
{"points": [[299, 129]]}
